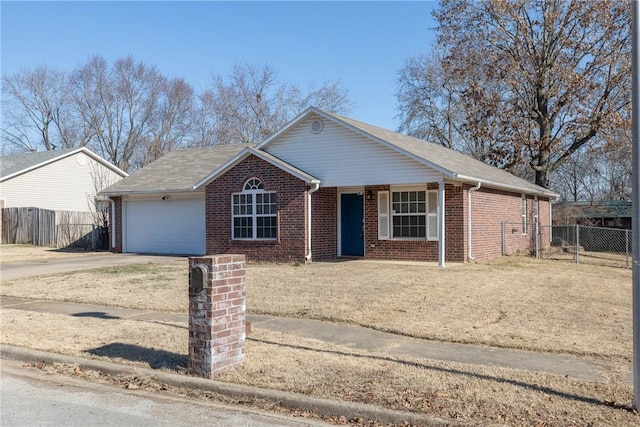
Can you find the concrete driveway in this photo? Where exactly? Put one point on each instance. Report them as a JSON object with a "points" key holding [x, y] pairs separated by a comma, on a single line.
{"points": [[16, 270]]}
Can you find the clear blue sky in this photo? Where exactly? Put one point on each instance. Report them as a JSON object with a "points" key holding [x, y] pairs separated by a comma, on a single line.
{"points": [[361, 44]]}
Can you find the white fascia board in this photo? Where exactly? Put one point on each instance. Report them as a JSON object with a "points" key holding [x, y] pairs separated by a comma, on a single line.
{"points": [[104, 162], [151, 192], [511, 188], [262, 155]]}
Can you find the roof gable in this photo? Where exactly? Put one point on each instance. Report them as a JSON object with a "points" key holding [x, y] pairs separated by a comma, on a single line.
{"points": [[451, 163], [16, 164], [340, 157], [292, 170]]}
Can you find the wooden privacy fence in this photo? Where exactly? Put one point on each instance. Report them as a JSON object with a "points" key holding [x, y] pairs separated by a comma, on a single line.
{"points": [[43, 227]]}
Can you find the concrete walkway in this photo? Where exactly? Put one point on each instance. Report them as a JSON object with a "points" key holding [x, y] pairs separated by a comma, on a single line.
{"points": [[361, 339]]}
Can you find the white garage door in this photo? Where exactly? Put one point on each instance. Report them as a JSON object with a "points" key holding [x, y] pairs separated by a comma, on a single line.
{"points": [[165, 226]]}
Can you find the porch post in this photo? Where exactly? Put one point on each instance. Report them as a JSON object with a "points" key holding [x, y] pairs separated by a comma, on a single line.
{"points": [[441, 224]]}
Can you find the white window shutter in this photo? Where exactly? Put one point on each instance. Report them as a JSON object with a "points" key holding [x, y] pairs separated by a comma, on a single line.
{"points": [[383, 215], [432, 230]]}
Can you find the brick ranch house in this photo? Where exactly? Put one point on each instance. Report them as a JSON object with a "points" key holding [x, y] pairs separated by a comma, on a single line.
{"points": [[324, 186]]}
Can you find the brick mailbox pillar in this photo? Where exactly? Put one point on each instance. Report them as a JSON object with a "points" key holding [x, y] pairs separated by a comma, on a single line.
{"points": [[217, 295]]}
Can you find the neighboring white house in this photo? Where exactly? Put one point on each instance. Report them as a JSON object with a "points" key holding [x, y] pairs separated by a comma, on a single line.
{"points": [[59, 180]]}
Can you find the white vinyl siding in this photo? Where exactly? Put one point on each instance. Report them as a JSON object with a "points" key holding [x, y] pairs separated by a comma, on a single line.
{"points": [[340, 157], [65, 185]]}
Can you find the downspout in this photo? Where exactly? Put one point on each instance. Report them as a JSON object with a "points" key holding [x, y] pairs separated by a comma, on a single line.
{"points": [[113, 223], [469, 246], [314, 187]]}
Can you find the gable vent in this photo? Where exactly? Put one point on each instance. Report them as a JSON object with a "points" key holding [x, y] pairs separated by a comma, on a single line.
{"points": [[316, 126]]}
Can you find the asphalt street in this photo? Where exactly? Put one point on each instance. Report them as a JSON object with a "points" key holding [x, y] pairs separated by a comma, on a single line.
{"points": [[31, 397]]}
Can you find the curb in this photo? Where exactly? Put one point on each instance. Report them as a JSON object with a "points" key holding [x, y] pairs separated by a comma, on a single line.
{"points": [[288, 400]]}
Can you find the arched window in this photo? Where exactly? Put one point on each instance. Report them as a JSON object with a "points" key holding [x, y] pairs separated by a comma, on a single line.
{"points": [[254, 212], [253, 184]]}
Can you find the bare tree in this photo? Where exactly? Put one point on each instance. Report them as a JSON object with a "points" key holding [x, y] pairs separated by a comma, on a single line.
{"points": [[172, 123], [454, 113], [556, 73], [102, 178], [34, 110], [130, 114], [118, 104], [594, 175], [251, 104], [573, 180]]}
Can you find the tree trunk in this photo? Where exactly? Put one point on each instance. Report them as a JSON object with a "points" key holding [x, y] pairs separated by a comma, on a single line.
{"points": [[543, 168]]}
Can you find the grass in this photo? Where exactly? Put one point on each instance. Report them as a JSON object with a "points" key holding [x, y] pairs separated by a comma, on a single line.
{"points": [[467, 394], [512, 302]]}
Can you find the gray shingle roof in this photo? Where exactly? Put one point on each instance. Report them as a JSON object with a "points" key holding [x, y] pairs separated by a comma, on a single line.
{"points": [[14, 163], [177, 171]]}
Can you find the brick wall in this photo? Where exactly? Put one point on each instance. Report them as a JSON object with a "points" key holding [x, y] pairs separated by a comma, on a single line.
{"points": [[490, 208], [118, 225], [324, 223], [291, 193], [217, 314], [455, 224], [418, 250]]}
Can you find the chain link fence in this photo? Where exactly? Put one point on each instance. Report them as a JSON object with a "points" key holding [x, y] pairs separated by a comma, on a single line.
{"points": [[575, 243], [590, 245]]}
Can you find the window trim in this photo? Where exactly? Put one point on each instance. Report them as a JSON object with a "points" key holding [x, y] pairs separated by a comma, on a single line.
{"points": [[429, 215], [252, 187]]}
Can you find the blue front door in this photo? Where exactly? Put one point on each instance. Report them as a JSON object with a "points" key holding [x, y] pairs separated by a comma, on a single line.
{"points": [[352, 224]]}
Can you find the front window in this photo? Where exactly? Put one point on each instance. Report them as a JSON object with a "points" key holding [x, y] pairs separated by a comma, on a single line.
{"points": [[414, 214], [254, 212]]}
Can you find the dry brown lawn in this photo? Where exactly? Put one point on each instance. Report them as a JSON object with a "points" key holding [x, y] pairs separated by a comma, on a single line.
{"points": [[18, 253], [512, 302], [468, 394]]}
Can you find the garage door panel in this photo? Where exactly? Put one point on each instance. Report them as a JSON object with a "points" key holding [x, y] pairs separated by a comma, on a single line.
{"points": [[165, 226]]}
